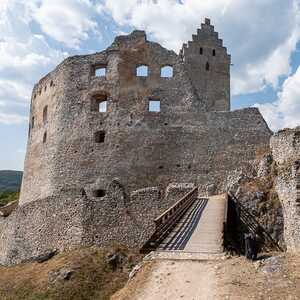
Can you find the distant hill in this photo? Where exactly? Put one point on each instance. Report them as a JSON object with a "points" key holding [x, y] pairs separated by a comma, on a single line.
{"points": [[10, 180]]}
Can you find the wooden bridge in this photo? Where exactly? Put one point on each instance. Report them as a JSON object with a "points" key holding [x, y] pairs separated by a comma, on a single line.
{"points": [[197, 224], [192, 224]]}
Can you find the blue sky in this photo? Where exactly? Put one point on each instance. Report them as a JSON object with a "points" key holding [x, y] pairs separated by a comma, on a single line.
{"points": [[263, 37]]}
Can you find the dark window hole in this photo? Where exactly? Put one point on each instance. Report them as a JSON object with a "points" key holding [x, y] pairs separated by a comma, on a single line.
{"points": [[45, 137], [99, 193], [207, 66], [99, 136]]}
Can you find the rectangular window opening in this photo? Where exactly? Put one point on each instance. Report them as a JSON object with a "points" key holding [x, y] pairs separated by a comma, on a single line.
{"points": [[154, 105], [100, 70], [99, 136], [103, 106]]}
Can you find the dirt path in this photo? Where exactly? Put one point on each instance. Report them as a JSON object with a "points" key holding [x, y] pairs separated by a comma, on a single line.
{"points": [[192, 280], [275, 277]]}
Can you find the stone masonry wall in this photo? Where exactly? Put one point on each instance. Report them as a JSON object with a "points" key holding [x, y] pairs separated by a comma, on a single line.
{"points": [[187, 141], [70, 173], [285, 146], [40, 227]]}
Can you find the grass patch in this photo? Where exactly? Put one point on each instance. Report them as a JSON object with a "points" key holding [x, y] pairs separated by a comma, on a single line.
{"points": [[7, 197], [92, 277]]}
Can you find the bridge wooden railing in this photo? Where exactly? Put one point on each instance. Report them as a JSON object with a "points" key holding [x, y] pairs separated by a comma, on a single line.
{"points": [[165, 223], [253, 225]]}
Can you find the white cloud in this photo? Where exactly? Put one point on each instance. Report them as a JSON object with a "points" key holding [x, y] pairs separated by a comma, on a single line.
{"points": [[285, 111], [68, 21], [261, 35], [24, 58], [9, 118]]}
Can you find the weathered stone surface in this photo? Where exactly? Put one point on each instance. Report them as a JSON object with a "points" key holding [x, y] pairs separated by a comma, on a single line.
{"points": [[37, 229], [285, 146]]}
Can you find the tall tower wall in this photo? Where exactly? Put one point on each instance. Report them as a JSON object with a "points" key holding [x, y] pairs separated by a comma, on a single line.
{"points": [[208, 66]]}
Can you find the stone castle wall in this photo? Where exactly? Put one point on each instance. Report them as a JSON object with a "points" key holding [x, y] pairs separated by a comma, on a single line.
{"points": [[285, 146], [40, 227], [70, 195], [189, 140]]}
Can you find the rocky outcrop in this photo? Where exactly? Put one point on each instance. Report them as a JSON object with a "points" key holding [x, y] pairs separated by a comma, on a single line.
{"points": [[254, 188], [270, 188]]}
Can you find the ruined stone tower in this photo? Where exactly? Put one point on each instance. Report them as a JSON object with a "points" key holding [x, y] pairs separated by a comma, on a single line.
{"points": [[208, 66], [111, 130]]}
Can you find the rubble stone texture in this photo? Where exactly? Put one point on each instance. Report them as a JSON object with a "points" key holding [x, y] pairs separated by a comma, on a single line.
{"points": [[285, 146], [94, 175]]}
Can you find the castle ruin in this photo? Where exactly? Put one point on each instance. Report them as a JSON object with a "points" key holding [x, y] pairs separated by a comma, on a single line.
{"points": [[116, 136]]}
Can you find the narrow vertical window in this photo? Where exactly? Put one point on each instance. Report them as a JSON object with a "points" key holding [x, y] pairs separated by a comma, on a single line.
{"points": [[207, 66], [45, 115], [214, 52], [45, 137], [32, 122], [201, 50]]}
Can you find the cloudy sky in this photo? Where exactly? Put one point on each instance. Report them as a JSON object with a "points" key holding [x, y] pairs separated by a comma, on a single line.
{"points": [[35, 35]]}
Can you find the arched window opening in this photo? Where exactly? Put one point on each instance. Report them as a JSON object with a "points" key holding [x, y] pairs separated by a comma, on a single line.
{"points": [[45, 115], [51, 83], [99, 193], [154, 105], [201, 50], [99, 136], [32, 122], [142, 71], [166, 72], [214, 52], [207, 66], [99, 103], [45, 137]]}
